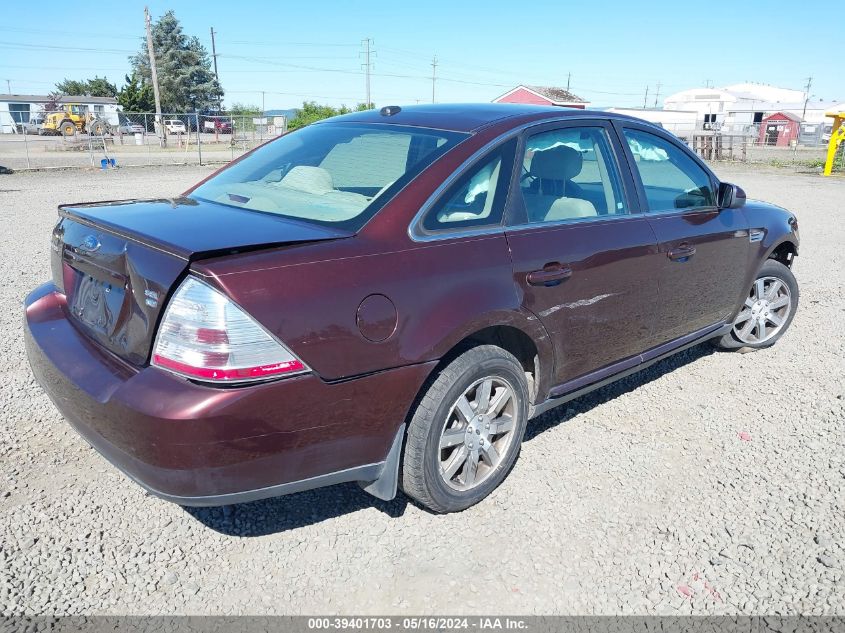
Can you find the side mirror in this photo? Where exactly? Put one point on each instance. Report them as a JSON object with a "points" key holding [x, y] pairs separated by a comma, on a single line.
{"points": [[730, 196]]}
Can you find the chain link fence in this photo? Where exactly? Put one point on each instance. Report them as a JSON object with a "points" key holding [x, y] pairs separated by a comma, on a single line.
{"points": [[802, 147], [61, 139]]}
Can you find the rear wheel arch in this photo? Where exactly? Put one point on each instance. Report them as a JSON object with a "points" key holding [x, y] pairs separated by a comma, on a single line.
{"points": [[531, 347]]}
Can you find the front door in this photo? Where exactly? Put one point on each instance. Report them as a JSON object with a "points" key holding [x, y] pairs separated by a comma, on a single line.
{"points": [[704, 249], [584, 258], [772, 132]]}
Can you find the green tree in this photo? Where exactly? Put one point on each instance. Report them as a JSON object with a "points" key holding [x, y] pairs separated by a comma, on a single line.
{"points": [[311, 112], [96, 87], [242, 116], [136, 95], [185, 79], [240, 109]]}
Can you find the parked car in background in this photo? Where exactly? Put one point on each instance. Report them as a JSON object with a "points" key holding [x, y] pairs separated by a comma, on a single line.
{"points": [[174, 126], [35, 125], [389, 296], [131, 128], [826, 133], [219, 124]]}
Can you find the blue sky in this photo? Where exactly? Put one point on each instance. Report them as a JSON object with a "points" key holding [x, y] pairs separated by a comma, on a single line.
{"points": [[610, 51]]}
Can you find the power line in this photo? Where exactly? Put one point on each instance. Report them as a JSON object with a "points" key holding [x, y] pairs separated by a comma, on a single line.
{"points": [[75, 33], [433, 76], [277, 44], [20, 45], [73, 68]]}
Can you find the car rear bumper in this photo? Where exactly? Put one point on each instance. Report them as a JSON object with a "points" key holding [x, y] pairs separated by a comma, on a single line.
{"points": [[199, 445]]}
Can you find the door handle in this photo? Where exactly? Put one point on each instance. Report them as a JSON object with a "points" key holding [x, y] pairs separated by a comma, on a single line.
{"points": [[681, 253], [550, 275]]}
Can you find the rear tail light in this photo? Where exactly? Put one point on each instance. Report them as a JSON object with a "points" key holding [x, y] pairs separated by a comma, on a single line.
{"points": [[206, 336]]}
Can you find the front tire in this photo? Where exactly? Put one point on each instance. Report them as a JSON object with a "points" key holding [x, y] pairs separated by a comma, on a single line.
{"points": [[767, 311], [466, 432], [98, 128]]}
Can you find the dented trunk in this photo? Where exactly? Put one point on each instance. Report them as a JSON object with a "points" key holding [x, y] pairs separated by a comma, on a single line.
{"points": [[117, 262]]}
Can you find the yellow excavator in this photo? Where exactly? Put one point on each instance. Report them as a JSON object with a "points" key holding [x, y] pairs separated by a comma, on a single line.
{"points": [[74, 118]]}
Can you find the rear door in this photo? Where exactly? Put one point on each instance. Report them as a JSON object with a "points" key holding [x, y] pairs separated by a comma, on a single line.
{"points": [[704, 249], [584, 257]]}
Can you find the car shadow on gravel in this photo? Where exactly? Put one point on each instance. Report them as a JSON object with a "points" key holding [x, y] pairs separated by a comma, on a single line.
{"points": [[280, 514], [565, 412]]}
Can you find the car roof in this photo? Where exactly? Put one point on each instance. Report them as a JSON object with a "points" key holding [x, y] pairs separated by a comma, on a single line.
{"points": [[468, 117]]}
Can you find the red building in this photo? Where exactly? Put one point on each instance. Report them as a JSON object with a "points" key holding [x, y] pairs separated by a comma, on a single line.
{"points": [[543, 95], [780, 128]]}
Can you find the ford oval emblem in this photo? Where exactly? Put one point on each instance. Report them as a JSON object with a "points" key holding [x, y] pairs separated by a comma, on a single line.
{"points": [[90, 243]]}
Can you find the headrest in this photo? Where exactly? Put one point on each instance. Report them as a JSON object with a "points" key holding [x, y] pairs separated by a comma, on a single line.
{"points": [[308, 179], [556, 163]]}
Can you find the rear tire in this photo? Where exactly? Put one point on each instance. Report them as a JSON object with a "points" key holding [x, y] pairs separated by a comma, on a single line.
{"points": [[767, 311], [466, 432], [67, 128]]}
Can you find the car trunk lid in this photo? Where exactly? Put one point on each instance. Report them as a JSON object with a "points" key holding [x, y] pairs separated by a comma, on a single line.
{"points": [[117, 262]]}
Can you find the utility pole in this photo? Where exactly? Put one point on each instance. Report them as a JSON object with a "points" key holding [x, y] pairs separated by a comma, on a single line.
{"points": [[433, 76], [806, 96], [214, 59], [657, 94], [568, 78], [367, 53], [708, 83], [214, 55], [151, 51], [645, 99], [8, 87]]}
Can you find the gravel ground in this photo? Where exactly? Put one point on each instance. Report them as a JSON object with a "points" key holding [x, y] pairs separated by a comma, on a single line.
{"points": [[710, 483]]}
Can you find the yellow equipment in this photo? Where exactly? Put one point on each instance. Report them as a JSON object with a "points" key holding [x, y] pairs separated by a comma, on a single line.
{"points": [[837, 135], [74, 118]]}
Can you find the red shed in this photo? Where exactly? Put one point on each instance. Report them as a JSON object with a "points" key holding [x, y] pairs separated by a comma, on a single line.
{"points": [[780, 128], [543, 95]]}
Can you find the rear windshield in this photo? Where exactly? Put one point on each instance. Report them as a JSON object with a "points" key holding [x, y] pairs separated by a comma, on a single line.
{"points": [[330, 173]]}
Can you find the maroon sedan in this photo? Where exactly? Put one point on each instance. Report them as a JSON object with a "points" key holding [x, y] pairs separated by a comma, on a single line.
{"points": [[389, 296]]}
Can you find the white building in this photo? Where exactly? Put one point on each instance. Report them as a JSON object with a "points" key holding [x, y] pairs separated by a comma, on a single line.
{"points": [[16, 109], [741, 107], [681, 123]]}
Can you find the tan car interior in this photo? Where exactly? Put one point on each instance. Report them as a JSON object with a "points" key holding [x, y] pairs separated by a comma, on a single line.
{"points": [[554, 196]]}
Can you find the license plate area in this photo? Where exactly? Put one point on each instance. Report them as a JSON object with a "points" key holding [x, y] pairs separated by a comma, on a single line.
{"points": [[97, 304]]}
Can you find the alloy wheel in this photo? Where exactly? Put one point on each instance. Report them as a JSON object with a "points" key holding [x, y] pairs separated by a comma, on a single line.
{"points": [[765, 311], [477, 433]]}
